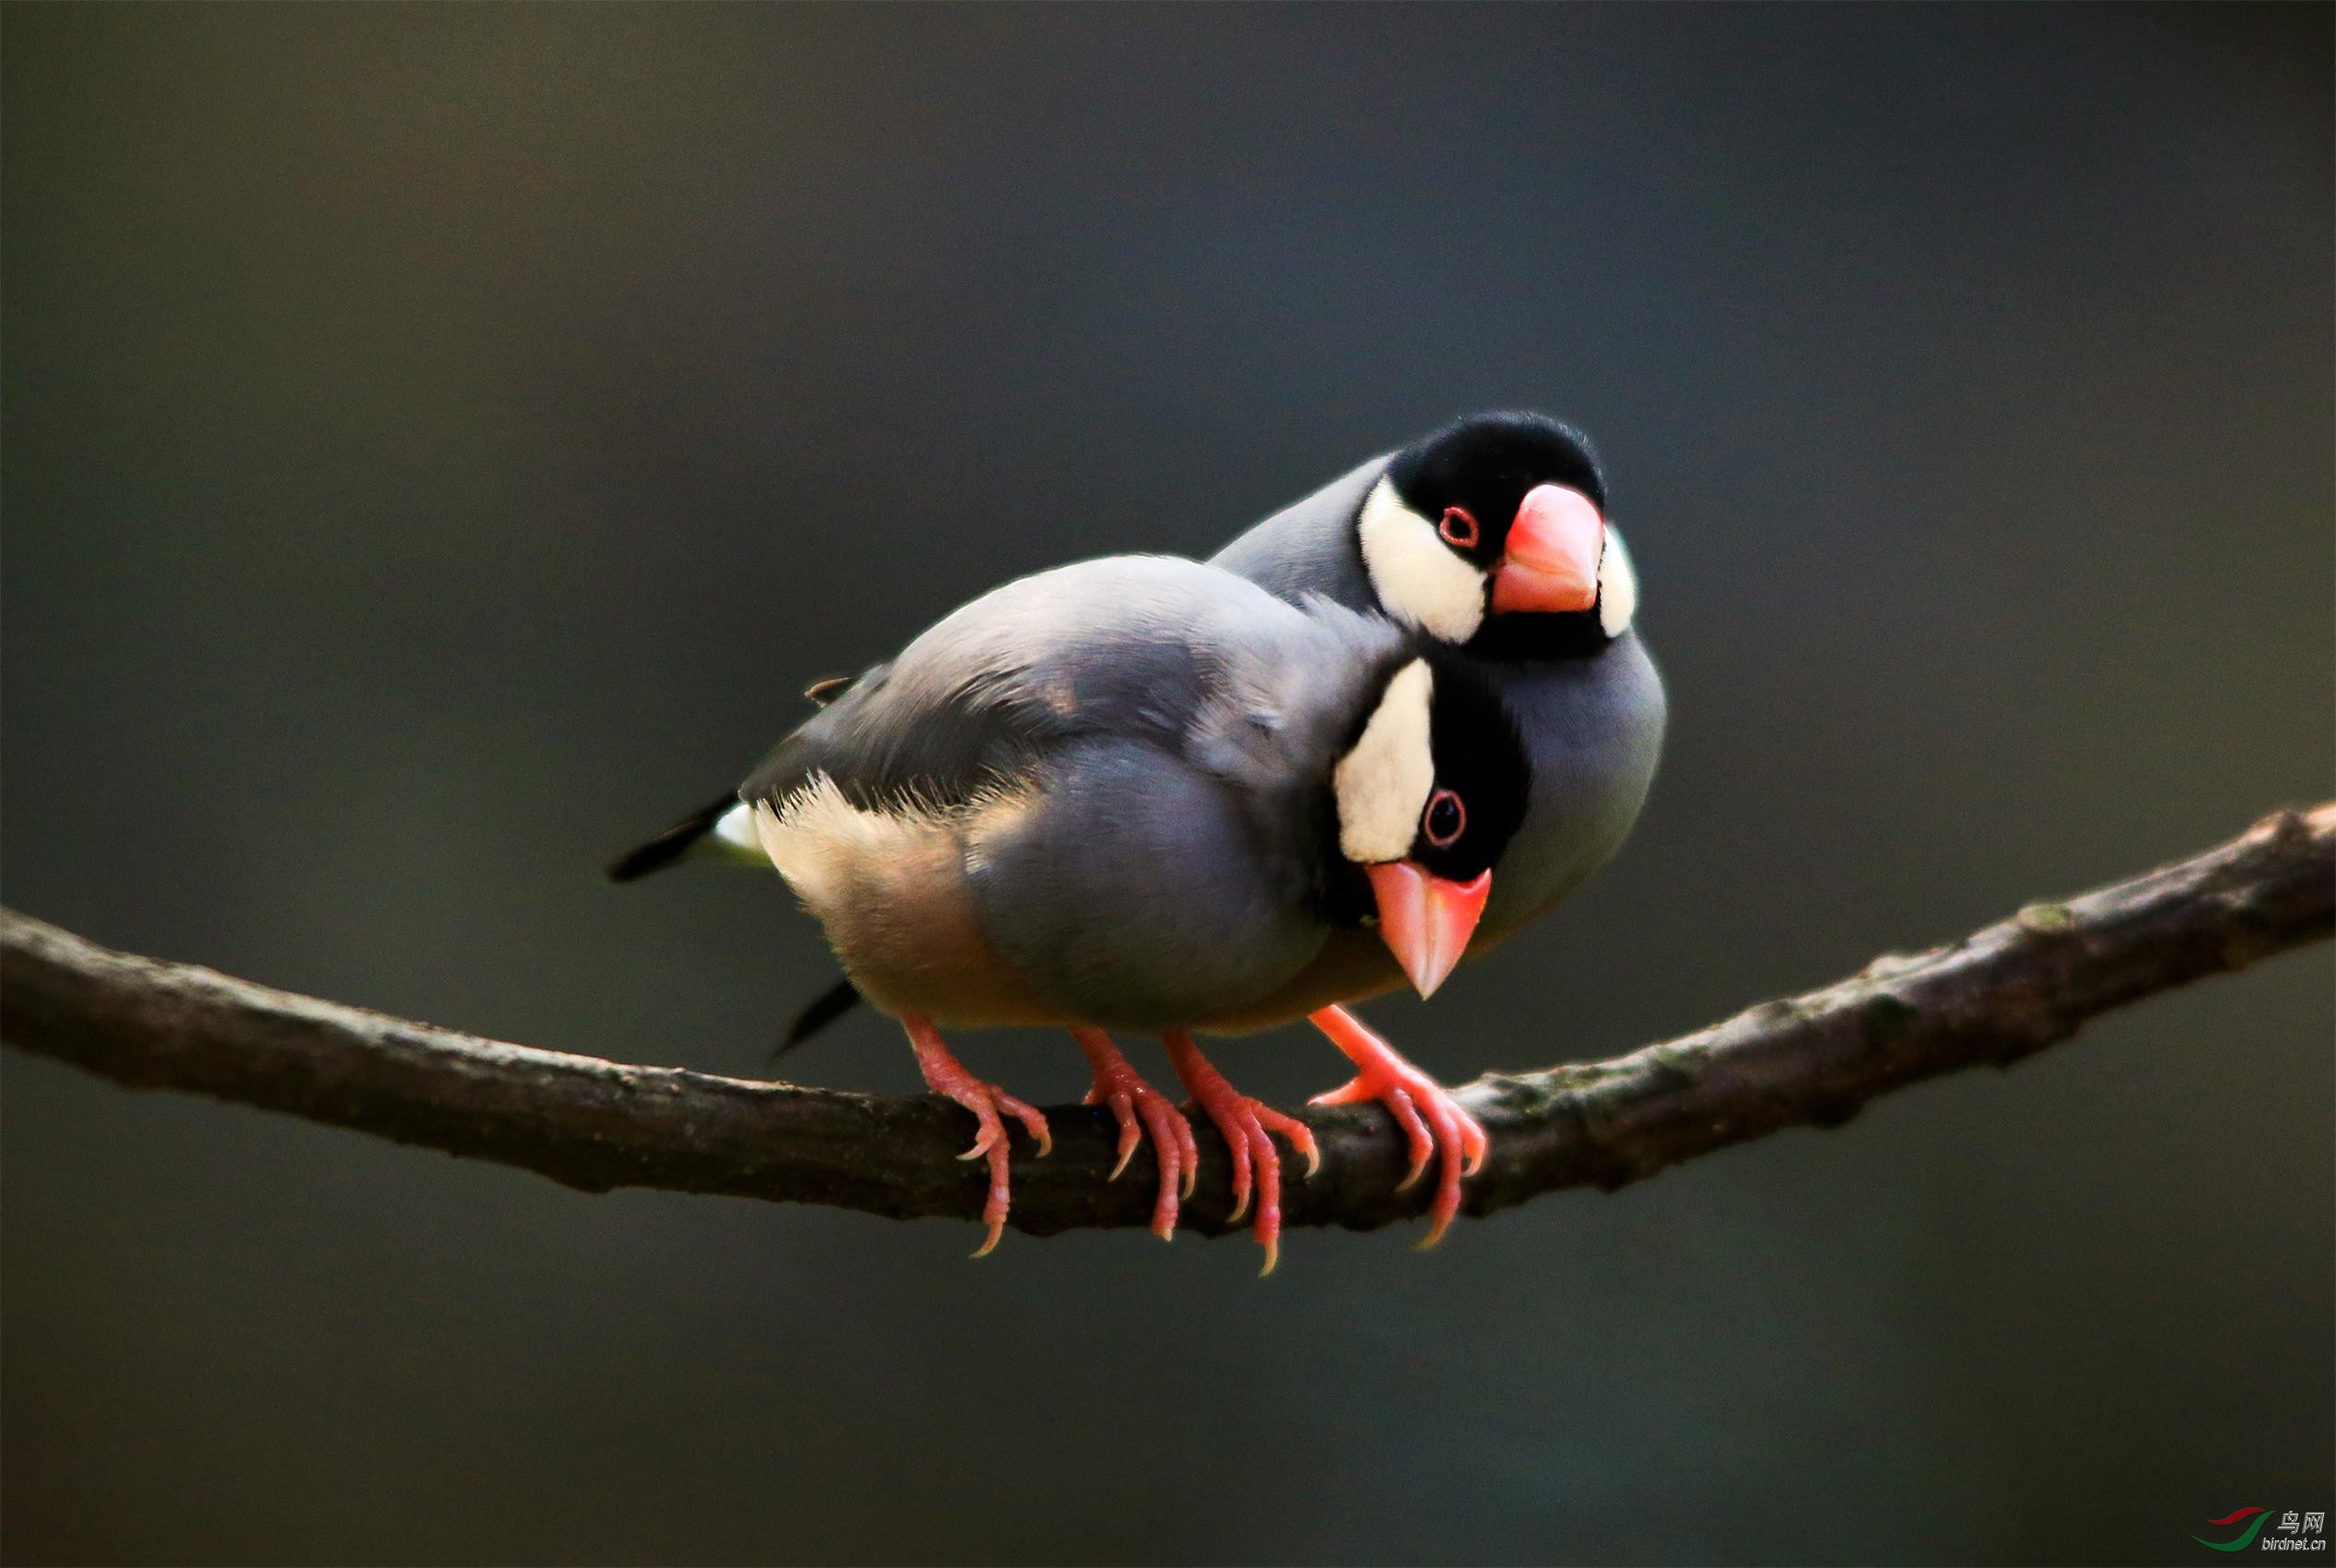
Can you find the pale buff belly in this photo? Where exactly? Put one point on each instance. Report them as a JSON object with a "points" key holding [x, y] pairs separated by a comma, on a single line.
{"points": [[890, 891]]}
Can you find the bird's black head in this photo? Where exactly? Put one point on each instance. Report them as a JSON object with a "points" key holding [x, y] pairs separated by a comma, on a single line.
{"points": [[1491, 534], [1430, 787], [1484, 464], [1484, 775]]}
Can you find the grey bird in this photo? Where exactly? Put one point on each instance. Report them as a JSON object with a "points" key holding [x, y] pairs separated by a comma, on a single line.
{"points": [[1135, 794], [1489, 535]]}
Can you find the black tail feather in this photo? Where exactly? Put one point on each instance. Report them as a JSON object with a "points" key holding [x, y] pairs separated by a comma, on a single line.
{"points": [[670, 845], [823, 1009]]}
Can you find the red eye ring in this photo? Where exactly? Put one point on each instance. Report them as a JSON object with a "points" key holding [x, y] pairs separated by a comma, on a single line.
{"points": [[1459, 527], [1449, 835]]}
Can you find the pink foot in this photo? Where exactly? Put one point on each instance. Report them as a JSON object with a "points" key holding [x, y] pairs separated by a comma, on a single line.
{"points": [[1245, 1123], [1132, 1101], [944, 1074], [1418, 1103]]}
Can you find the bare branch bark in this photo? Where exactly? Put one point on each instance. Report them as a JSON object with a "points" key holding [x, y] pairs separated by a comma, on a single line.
{"points": [[1994, 997]]}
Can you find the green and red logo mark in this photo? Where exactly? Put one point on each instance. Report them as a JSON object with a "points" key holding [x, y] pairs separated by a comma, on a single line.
{"points": [[2246, 1538]]}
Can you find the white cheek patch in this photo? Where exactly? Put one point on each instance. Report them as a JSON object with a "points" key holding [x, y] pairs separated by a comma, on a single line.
{"points": [[1420, 580], [1617, 587], [1383, 784]]}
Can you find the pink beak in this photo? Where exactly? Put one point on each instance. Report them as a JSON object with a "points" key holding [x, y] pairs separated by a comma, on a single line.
{"points": [[1426, 919], [1551, 563]]}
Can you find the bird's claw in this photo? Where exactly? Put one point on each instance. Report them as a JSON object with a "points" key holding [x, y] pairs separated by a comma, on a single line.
{"points": [[1140, 1109], [947, 1076], [1433, 1121], [1246, 1125]]}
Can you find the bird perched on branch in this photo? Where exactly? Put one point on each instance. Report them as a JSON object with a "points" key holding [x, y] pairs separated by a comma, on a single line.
{"points": [[1135, 794], [1491, 536]]}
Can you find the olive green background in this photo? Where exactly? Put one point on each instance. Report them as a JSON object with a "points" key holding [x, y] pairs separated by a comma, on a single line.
{"points": [[440, 443]]}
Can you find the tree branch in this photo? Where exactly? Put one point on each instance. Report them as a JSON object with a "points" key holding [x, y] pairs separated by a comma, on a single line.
{"points": [[1995, 996]]}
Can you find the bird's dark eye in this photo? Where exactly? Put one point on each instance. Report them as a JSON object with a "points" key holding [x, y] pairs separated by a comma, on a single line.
{"points": [[1444, 820], [1459, 529]]}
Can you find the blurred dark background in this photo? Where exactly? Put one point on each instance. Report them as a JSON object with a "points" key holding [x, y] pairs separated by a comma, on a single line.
{"points": [[441, 443]]}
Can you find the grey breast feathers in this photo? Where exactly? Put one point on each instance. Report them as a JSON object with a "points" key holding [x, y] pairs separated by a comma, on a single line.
{"points": [[1594, 728]]}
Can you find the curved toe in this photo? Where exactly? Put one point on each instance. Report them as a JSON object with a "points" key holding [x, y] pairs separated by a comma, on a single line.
{"points": [[1246, 1125], [945, 1075], [1141, 1109], [1432, 1121]]}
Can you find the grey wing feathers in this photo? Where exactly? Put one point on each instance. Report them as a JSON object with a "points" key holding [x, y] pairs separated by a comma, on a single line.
{"points": [[1153, 648]]}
